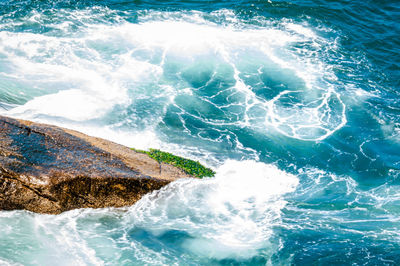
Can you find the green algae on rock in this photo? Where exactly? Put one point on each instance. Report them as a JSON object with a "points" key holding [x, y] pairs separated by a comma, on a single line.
{"points": [[191, 167]]}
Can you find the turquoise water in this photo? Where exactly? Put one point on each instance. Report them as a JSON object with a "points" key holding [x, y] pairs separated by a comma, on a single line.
{"points": [[294, 104]]}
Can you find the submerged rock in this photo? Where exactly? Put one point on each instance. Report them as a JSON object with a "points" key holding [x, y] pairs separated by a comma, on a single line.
{"points": [[48, 169]]}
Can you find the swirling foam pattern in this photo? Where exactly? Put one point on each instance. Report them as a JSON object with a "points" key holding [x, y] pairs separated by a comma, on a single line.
{"points": [[240, 75]]}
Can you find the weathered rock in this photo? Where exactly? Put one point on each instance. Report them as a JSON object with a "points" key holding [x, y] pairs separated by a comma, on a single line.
{"points": [[48, 169]]}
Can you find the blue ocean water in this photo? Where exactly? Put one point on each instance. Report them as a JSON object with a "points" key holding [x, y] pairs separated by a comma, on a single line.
{"points": [[295, 104]]}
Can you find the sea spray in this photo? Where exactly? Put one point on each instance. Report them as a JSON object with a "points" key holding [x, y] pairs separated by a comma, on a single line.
{"points": [[239, 74], [229, 216]]}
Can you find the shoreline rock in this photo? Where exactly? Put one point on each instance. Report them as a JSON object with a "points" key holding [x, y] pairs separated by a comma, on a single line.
{"points": [[49, 169]]}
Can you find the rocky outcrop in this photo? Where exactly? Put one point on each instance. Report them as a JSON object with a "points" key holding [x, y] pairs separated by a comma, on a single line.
{"points": [[48, 169]]}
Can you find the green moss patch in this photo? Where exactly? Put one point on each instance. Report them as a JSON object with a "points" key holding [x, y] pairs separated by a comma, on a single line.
{"points": [[191, 167]]}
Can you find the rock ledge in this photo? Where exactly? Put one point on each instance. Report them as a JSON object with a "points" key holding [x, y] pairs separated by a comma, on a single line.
{"points": [[48, 169]]}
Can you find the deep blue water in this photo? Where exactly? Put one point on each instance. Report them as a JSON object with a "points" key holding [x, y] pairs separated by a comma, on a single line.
{"points": [[296, 104]]}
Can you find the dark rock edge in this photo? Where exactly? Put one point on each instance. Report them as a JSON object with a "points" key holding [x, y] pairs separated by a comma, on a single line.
{"points": [[49, 169]]}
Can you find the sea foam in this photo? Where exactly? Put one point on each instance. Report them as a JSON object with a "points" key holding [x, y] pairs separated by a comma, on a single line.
{"points": [[137, 73]]}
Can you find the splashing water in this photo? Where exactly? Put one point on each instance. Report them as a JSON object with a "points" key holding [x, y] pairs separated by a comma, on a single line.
{"points": [[237, 75], [218, 218]]}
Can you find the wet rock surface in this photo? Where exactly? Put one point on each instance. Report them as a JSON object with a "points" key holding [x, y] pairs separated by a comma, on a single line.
{"points": [[48, 169]]}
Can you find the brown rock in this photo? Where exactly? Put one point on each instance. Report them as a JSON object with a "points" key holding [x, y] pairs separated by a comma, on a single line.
{"points": [[48, 169]]}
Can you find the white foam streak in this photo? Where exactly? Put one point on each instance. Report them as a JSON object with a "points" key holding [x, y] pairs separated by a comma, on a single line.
{"points": [[66, 238], [230, 216]]}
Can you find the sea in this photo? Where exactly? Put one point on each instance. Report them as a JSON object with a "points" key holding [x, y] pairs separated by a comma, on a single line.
{"points": [[294, 104]]}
